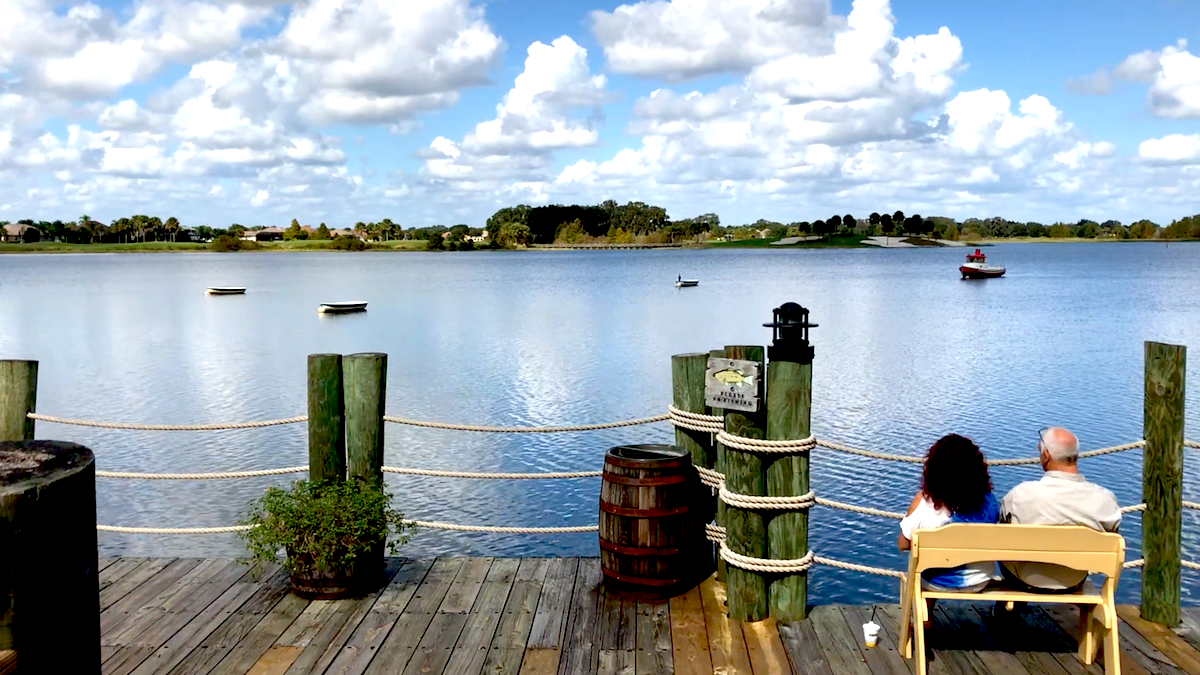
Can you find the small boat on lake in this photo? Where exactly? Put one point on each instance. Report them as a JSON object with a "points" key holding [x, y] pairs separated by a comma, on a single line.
{"points": [[342, 307], [686, 283], [225, 290], [976, 267]]}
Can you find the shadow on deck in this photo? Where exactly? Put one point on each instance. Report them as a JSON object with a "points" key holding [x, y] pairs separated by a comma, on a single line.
{"points": [[469, 616]]}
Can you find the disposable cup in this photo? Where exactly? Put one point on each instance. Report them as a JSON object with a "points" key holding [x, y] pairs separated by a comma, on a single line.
{"points": [[870, 634]]}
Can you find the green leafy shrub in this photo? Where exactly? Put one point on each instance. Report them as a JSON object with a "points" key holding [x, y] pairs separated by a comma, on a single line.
{"points": [[348, 243], [228, 242], [323, 525]]}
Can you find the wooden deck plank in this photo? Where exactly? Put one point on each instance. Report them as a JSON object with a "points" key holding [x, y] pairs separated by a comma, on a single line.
{"points": [[507, 650], [8, 662], [275, 661], [617, 616], [259, 639], [835, 640], [726, 643], [195, 629], [966, 633], [765, 647], [460, 597], [434, 650], [540, 662], [883, 659], [171, 597], [1166, 641], [111, 573], [179, 611], [551, 617], [1189, 625], [356, 654], [142, 570], [1031, 637], [1132, 660], [147, 595], [433, 589], [580, 650], [236, 626], [689, 635], [324, 647], [470, 652], [413, 626], [654, 654], [616, 662]]}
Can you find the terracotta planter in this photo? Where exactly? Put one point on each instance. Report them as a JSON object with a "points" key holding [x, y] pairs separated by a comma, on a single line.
{"points": [[348, 581]]}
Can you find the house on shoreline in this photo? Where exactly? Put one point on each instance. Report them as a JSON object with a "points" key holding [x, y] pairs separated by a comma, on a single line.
{"points": [[18, 233], [265, 234]]}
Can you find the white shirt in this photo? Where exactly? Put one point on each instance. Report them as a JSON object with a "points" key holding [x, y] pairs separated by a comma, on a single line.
{"points": [[926, 517], [1059, 498]]}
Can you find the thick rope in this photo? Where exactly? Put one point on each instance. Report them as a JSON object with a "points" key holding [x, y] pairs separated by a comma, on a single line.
{"points": [[860, 509], [1090, 453], [202, 476], [478, 474], [1192, 444], [696, 421], [789, 447], [765, 564], [1191, 505], [714, 533], [1130, 564], [711, 478], [525, 430], [913, 459], [503, 530], [866, 569], [1190, 565], [1133, 507], [167, 427], [174, 530], [741, 501]]}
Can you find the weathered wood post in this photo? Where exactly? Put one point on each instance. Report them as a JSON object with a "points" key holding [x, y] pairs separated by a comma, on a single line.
{"points": [[365, 382], [745, 529], [687, 384], [18, 398], [1162, 480], [789, 417], [49, 585], [719, 452], [326, 418]]}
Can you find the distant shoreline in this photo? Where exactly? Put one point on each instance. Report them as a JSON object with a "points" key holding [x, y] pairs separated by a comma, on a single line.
{"points": [[408, 246]]}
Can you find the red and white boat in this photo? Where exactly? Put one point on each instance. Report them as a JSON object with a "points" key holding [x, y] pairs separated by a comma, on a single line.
{"points": [[976, 267]]}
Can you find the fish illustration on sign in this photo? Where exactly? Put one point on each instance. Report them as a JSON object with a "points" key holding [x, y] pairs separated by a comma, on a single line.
{"points": [[733, 377]]}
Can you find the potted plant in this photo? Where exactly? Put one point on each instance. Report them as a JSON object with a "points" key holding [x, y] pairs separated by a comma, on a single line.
{"points": [[333, 533]]}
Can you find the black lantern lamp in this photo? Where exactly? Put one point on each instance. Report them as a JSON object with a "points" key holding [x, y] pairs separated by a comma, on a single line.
{"points": [[790, 339]]}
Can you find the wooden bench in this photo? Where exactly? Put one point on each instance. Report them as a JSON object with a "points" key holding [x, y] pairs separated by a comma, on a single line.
{"points": [[1075, 547]]}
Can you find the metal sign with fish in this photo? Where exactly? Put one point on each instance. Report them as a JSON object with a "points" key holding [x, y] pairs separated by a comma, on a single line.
{"points": [[731, 384]]}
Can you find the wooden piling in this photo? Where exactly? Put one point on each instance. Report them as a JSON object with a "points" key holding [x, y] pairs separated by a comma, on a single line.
{"points": [[326, 418], [687, 384], [18, 398], [789, 417], [745, 530], [1162, 480], [719, 456], [365, 381]]}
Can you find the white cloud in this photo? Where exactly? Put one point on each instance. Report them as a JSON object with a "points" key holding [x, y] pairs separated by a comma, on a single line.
{"points": [[533, 120], [1099, 82], [686, 38], [1173, 74], [1173, 149]]}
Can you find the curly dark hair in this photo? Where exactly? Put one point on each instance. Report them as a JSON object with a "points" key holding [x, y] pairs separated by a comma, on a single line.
{"points": [[956, 475]]}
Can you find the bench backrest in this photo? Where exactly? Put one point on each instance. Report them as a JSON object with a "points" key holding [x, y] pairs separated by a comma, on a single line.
{"points": [[1077, 547]]}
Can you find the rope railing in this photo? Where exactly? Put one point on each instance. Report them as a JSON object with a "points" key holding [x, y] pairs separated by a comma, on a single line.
{"points": [[526, 430], [167, 427], [1192, 444]]}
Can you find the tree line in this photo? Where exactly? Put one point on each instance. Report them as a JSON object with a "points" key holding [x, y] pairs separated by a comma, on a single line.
{"points": [[613, 223]]}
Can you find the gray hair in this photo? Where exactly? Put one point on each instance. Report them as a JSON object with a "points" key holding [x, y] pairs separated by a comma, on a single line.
{"points": [[1061, 445]]}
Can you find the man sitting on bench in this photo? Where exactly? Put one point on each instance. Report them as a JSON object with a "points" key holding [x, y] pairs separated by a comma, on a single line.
{"points": [[1061, 497]]}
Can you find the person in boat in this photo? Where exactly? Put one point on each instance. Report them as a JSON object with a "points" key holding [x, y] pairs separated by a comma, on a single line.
{"points": [[679, 279], [1061, 497], [955, 488]]}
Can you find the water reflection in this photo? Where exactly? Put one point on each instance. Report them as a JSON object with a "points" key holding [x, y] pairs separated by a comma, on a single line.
{"points": [[905, 353]]}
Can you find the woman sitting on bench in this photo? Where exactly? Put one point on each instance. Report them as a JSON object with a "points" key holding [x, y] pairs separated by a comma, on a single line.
{"points": [[955, 488]]}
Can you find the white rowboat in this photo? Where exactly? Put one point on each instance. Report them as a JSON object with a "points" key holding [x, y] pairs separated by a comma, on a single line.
{"points": [[687, 283], [225, 290], [342, 307]]}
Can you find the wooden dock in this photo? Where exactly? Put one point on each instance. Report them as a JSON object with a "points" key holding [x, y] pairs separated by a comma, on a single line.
{"points": [[531, 616]]}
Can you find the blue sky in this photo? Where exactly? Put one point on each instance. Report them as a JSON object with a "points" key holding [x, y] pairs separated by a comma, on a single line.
{"points": [[217, 111]]}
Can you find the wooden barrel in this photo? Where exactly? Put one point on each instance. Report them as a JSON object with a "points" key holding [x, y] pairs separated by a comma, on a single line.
{"points": [[649, 531]]}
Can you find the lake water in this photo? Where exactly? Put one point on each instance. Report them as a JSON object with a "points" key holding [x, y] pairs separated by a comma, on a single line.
{"points": [[905, 352]]}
